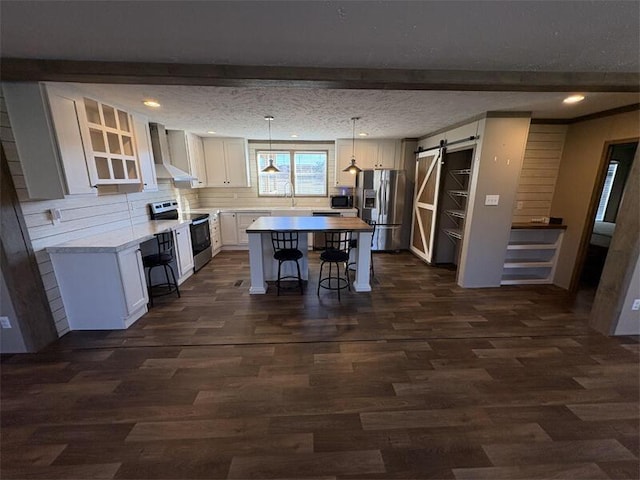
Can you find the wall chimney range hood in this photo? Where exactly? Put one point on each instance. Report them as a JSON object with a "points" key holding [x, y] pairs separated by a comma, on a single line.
{"points": [[162, 159]]}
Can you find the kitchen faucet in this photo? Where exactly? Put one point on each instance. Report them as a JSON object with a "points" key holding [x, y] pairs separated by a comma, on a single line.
{"points": [[293, 195]]}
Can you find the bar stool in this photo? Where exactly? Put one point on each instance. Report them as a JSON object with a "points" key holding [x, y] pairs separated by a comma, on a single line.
{"points": [[337, 247], [285, 249], [162, 258]]}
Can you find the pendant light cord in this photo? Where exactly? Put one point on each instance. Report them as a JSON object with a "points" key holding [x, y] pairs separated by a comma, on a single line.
{"points": [[353, 143]]}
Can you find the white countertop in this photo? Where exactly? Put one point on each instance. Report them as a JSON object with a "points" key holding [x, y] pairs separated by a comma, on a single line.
{"points": [[116, 240], [268, 209]]}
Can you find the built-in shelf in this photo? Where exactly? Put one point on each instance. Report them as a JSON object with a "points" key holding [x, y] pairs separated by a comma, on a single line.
{"points": [[532, 255], [531, 246], [459, 193], [456, 213], [453, 232]]}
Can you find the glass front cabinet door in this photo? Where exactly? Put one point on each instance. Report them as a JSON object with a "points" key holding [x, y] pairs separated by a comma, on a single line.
{"points": [[110, 149]]}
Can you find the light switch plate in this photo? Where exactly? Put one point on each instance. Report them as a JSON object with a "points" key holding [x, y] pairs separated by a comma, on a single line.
{"points": [[4, 322], [492, 199], [636, 304]]}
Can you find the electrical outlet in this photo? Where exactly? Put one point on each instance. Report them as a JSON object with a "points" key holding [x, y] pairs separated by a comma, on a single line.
{"points": [[492, 200], [56, 215], [636, 304], [519, 205], [4, 322]]}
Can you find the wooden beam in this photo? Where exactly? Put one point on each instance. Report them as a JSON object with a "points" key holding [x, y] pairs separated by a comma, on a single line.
{"points": [[20, 267], [19, 69]]}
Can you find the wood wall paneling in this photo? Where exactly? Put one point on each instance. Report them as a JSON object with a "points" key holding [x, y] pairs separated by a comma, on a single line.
{"points": [[539, 173]]}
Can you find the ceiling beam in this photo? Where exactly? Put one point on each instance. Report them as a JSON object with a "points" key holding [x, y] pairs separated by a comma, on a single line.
{"points": [[17, 69]]}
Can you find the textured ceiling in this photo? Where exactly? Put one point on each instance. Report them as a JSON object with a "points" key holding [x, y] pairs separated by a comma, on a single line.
{"points": [[321, 114], [528, 36], [560, 36]]}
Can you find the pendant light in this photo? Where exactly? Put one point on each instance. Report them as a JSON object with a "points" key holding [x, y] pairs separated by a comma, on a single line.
{"points": [[353, 168], [271, 168]]}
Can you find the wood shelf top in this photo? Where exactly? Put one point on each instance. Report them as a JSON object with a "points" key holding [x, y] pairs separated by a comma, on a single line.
{"points": [[537, 226]]}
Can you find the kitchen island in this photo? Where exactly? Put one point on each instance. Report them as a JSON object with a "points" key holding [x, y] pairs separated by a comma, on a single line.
{"points": [[264, 267]]}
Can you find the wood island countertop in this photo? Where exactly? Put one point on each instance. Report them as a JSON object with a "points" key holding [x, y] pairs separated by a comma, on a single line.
{"points": [[309, 224]]}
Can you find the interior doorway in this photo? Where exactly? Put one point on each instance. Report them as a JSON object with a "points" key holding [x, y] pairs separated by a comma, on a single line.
{"points": [[616, 167]]}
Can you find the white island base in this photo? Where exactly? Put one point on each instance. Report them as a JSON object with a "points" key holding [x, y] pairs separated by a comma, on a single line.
{"points": [[265, 268]]}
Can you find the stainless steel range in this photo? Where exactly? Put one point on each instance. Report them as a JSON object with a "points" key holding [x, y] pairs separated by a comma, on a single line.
{"points": [[199, 229]]}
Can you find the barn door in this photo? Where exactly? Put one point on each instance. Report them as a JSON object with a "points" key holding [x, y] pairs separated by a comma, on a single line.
{"points": [[425, 203]]}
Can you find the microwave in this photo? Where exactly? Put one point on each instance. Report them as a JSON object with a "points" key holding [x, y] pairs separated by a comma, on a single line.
{"points": [[341, 201]]}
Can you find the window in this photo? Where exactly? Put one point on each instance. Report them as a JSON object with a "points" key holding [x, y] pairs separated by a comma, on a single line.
{"points": [[606, 191], [303, 170]]}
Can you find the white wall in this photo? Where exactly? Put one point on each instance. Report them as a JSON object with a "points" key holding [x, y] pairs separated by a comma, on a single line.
{"points": [[583, 153], [495, 171]]}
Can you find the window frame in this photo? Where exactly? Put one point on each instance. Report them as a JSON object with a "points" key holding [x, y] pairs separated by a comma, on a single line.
{"points": [[292, 176]]}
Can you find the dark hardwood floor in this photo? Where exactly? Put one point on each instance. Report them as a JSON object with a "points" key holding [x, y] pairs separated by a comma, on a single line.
{"points": [[418, 379]]}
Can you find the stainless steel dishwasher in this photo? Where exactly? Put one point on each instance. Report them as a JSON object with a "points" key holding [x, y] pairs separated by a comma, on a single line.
{"points": [[318, 238]]}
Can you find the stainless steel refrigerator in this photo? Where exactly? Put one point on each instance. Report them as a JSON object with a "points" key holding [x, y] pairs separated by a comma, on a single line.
{"points": [[386, 197]]}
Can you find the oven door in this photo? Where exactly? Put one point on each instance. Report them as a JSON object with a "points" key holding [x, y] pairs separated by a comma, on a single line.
{"points": [[200, 235]]}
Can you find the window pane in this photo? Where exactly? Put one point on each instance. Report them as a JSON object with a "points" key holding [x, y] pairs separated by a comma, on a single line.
{"points": [[274, 183], [311, 173], [606, 191]]}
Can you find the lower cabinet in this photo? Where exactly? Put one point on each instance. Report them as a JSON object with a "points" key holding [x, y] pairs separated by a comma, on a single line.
{"points": [[216, 237], [184, 252], [245, 219], [101, 291], [229, 230]]}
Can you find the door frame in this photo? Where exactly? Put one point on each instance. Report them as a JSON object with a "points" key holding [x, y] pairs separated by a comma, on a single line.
{"points": [[593, 207]]}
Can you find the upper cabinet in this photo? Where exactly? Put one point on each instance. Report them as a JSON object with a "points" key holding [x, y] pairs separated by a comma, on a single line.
{"points": [[145, 154], [187, 153], [226, 162], [110, 152], [369, 154], [69, 144]]}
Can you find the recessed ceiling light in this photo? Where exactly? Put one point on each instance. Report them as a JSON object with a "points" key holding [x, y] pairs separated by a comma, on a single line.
{"points": [[211, 132], [293, 135], [573, 99], [363, 134], [151, 103]]}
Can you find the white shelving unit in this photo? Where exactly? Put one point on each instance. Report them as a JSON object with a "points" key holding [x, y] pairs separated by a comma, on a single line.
{"points": [[532, 254]]}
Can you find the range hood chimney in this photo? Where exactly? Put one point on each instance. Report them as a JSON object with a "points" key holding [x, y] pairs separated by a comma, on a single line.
{"points": [[161, 157]]}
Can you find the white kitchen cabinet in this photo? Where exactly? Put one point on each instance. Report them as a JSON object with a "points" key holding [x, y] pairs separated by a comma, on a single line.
{"points": [[245, 219], [187, 154], [109, 143], [102, 290], [145, 154], [45, 126], [388, 152], [369, 154], [214, 229], [184, 252], [229, 228], [226, 162]]}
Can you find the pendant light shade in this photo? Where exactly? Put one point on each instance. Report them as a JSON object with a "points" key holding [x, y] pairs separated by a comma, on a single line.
{"points": [[271, 168], [353, 168]]}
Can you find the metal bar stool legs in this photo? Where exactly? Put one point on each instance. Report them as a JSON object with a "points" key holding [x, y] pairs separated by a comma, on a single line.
{"points": [[337, 246], [162, 258]]}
